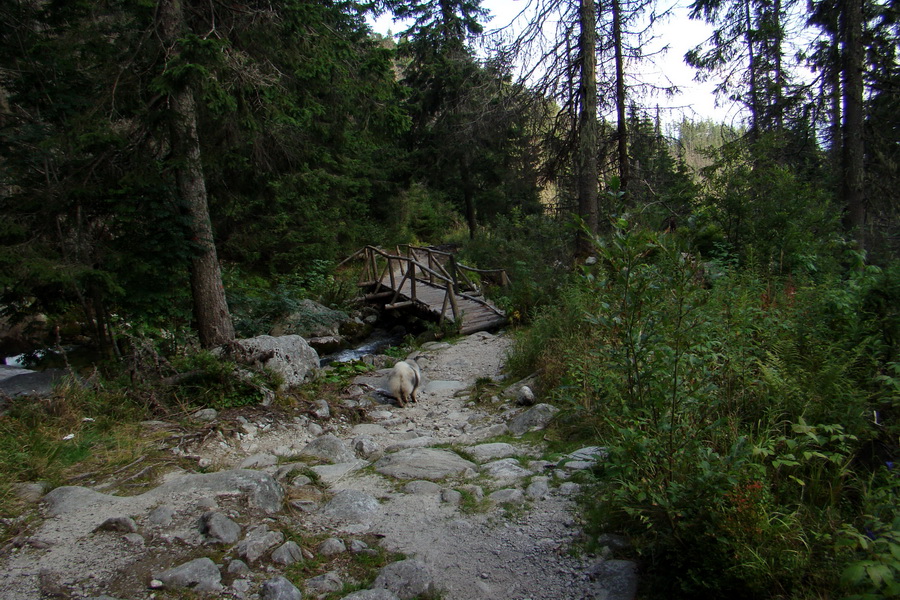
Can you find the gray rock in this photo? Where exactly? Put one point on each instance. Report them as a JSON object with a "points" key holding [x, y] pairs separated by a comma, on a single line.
{"points": [[420, 486], [474, 490], [219, 529], [31, 383], [351, 506], [538, 489], [568, 488], [259, 461], [331, 474], [375, 594], [329, 448], [135, 539], [423, 463], [201, 575], [451, 497], [321, 409], [615, 579], [238, 568], [161, 515], [314, 429], [416, 442], [120, 524], [406, 578], [287, 554], [513, 391], [525, 397], [365, 446], [535, 418], [584, 458], [324, 584], [483, 452], [257, 542], [279, 588], [507, 496], [331, 546], [206, 415], [357, 546], [289, 356], [506, 469]]}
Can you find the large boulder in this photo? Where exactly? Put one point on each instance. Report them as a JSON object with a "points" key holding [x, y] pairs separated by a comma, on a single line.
{"points": [[311, 319], [407, 579], [423, 463], [290, 356]]}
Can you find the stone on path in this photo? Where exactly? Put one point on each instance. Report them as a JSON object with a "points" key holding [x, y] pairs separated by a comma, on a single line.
{"points": [[201, 575], [218, 528], [331, 474], [484, 452], [290, 356], [616, 579], [507, 496], [535, 418], [505, 469], [257, 542], [279, 588], [329, 448], [325, 583], [287, 554], [351, 506], [406, 578], [423, 463], [331, 546], [421, 486], [259, 461]]}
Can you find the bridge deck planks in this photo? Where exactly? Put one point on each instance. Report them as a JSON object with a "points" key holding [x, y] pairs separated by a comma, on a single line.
{"points": [[475, 315]]}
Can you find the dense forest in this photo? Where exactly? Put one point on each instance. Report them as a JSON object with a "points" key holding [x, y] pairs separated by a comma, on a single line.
{"points": [[717, 305]]}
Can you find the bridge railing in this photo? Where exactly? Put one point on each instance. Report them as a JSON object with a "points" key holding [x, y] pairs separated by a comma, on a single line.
{"points": [[439, 269]]}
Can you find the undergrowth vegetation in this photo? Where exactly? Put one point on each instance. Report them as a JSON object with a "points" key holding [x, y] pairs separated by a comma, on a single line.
{"points": [[750, 419]]}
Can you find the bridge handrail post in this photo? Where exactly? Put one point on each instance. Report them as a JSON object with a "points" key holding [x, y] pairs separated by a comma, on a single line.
{"points": [[453, 276]]}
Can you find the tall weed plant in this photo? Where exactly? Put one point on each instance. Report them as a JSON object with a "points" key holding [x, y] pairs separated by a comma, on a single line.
{"points": [[739, 419]]}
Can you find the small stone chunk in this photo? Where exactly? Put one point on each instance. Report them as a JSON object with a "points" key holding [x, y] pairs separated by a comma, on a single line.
{"points": [[475, 491], [525, 397], [279, 588], [201, 575], [538, 489], [122, 524], [406, 578], [365, 446], [320, 409], [206, 414], [451, 497], [219, 529], [257, 542], [238, 568], [569, 488], [357, 546], [331, 546], [287, 554], [324, 584], [507, 496]]}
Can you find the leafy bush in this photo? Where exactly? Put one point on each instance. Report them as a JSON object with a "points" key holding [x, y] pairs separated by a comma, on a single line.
{"points": [[738, 414]]}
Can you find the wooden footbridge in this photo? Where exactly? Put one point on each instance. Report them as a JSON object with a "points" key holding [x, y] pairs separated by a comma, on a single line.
{"points": [[430, 280]]}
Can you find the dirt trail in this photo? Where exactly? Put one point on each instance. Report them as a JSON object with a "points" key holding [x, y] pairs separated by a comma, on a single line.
{"points": [[477, 549]]}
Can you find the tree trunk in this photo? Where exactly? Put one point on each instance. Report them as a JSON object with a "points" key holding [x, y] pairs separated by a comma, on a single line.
{"points": [[468, 195], [588, 172], [852, 157], [211, 313], [752, 71], [622, 130]]}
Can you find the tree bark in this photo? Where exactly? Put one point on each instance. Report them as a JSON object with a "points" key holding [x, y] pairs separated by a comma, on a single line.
{"points": [[588, 171], [852, 156], [213, 320], [622, 128], [753, 73], [468, 195]]}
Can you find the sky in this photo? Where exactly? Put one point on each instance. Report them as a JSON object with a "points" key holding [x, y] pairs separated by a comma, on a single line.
{"points": [[695, 100]]}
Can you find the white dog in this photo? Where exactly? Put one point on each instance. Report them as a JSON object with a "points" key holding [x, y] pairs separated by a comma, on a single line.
{"points": [[404, 381]]}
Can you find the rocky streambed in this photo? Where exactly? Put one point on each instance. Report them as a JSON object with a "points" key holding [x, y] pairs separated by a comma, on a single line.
{"points": [[477, 518]]}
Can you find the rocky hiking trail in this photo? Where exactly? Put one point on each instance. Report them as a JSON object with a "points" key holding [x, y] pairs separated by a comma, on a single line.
{"points": [[477, 519]]}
